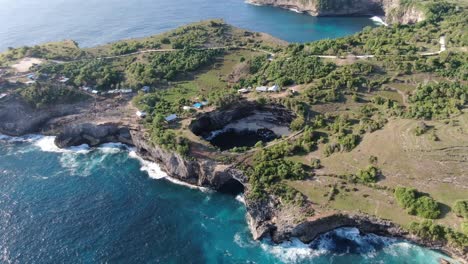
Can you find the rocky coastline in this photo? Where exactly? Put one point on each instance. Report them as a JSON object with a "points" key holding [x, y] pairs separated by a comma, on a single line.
{"points": [[266, 218], [392, 10]]}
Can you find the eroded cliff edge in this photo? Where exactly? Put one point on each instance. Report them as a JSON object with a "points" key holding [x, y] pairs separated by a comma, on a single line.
{"points": [[393, 10], [267, 218]]}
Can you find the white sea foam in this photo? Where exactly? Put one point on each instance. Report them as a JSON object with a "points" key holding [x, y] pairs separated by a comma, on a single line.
{"points": [[111, 148], [242, 242], [296, 10], [153, 169], [240, 198], [379, 21], [292, 251], [252, 3], [46, 144]]}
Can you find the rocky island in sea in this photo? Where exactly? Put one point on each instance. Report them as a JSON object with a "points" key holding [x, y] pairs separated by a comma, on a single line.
{"points": [[366, 131]]}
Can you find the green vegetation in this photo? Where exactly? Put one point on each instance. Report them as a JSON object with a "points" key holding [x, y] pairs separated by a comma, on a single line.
{"points": [[42, 95], [162, 67], [428, 229], [65, 50], [368, 175], [416, 203], [98, 73], [438, 100], [460, 208]]}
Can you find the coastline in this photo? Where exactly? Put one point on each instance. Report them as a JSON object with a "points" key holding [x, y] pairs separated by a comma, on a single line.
{"points": [[306, 231]]}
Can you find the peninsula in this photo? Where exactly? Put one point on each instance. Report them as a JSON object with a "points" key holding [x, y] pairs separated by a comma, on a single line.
{"points": [[368, 130]]}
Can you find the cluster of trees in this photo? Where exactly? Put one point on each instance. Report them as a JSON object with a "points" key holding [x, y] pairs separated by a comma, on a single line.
{"points": [[368, 175], [437, 100], [460, 208], [46, 94], [166, 66], [166, 138], [98, 73], [349, 78], [66, 50], [270, 168], [417, 203], [303, 68], [430, 230]]}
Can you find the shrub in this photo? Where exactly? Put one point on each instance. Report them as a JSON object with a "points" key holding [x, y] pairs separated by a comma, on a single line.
{"points": [[417, 204], [429, 230], [460, 208], [368, 175], [298, 123]]}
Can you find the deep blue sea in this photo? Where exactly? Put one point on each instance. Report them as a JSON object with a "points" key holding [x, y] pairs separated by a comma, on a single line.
{"points": [[93, 22], [99, 205]]}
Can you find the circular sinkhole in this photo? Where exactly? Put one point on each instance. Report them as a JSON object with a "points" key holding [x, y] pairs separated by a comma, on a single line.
{"points": [[243, 125]]}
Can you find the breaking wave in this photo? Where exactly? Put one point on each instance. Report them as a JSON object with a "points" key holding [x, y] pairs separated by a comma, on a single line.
{"points": [[378, 21]]}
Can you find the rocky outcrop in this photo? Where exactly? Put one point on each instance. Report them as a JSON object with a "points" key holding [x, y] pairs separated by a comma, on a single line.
{"points": [[92, 135], [215, 120], [393, 10], [19, 118], [200, 172]]}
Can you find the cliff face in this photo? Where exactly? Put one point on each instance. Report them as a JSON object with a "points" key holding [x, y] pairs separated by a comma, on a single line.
{"points": [[200, 172], [391, 9]]}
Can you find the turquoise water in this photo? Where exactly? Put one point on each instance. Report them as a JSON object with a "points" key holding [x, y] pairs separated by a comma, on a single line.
{"points": [[92, 22], [105, 205]]}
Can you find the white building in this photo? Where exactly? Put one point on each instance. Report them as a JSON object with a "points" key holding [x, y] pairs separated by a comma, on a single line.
{"points": [[274, 88], [64, 79], [261, 89], [170, 118], [141, 114], [243, 91]]}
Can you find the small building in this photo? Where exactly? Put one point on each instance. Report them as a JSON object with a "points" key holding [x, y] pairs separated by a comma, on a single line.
{"points": [[170, 118], [126, 90], [141, 114], [31, 76], [64, 79], [3, 95], [243, 91], [204, 103], [197, 105], [94, 91], [146, 89], [261, 89], [30, 82], [186, 108], [274, 88], [86, 88]]}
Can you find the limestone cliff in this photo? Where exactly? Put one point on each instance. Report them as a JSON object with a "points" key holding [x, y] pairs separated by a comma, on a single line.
{"points": [[393, 10]]}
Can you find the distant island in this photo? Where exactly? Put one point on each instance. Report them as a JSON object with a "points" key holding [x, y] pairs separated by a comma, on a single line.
{"points": [[368, 130]]}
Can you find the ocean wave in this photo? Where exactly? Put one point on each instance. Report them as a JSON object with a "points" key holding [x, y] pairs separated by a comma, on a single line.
{"points": [[252, 3], [379, 21], [79, 166], [293, 251], [240, 198], [112, 148], [244, 241], [154, 171]]}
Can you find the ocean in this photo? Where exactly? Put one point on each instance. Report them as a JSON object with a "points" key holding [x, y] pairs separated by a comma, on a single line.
{"points": [[83, 205], [94, 22]]}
